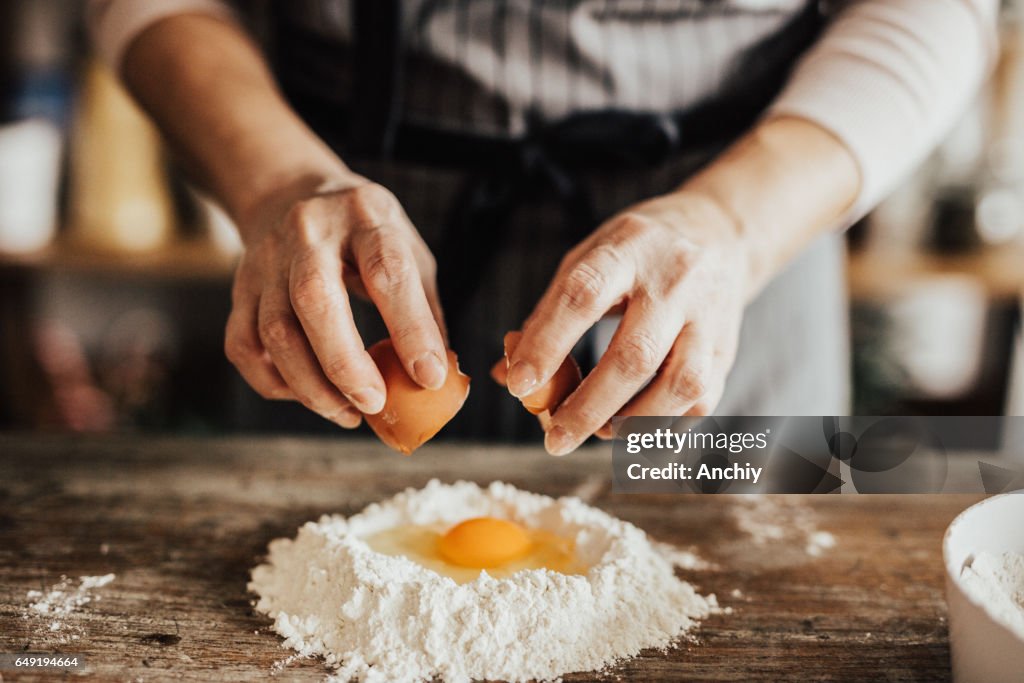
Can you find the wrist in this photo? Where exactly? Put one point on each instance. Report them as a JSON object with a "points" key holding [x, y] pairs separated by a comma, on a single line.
{"points": [[783, 184]]}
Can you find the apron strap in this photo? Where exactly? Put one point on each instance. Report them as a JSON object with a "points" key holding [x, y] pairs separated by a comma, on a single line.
{"points": [[377, 65]]}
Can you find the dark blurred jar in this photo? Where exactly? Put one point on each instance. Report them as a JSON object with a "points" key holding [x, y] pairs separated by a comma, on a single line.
{"points": [[953, 228]]}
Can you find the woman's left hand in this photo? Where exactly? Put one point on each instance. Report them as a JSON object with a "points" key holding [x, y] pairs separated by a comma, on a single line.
{"points": [[678, 269]]}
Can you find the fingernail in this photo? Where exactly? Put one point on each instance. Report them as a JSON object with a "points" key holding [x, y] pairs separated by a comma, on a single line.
{"points": [[368, 400], [522, 378], [429, 371], [348, 418], [558, 441]]}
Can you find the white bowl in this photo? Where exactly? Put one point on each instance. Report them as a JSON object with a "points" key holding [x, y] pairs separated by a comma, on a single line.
{"points": [[982, 649]]}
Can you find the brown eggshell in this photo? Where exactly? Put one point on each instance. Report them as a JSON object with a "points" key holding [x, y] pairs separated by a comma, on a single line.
{"points": [[499, 371], [550, 396], [562, 383], [412, 415]]}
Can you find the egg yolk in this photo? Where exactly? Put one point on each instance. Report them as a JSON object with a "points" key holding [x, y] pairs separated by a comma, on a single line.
{"points": [[484, 542], [495, 546]]}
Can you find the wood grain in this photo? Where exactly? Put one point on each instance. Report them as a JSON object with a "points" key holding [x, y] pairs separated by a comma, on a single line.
{"points": [[181, 522]]}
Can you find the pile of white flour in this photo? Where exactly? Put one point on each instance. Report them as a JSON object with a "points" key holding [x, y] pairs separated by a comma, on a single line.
{"points": [[375, 617], [997, 581]]}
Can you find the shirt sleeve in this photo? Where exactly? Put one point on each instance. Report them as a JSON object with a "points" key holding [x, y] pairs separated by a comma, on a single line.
{"points": [[889, 78], [114, 24]]}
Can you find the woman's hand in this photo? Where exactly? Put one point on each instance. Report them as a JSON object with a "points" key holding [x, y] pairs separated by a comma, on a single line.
{"points": [[682, 267], [313, 230], [291, 333], [678, 269]]}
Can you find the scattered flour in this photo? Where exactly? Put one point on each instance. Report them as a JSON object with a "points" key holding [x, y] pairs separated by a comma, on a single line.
{"points": [[375, 617], [997, 581], [684, 558], [62, 600], [818, 542], [770, 519], [282, 664]]}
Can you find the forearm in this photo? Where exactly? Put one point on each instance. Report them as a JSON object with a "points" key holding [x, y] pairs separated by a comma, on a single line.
{"points": [[208, 88], [776, 189], [889, 78], [866, 104]]}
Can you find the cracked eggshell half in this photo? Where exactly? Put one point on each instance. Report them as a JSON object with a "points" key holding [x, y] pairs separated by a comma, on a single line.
{"points": [[412, 415], [548, 397]]}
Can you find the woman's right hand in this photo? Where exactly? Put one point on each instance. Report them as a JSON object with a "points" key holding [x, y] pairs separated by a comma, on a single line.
{"points": [[307, 242], [291, 333]]}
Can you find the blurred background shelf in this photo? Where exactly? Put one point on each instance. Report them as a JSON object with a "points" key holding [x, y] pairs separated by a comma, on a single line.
{"points": [[877, 275], [193, 258], [874, 274]]}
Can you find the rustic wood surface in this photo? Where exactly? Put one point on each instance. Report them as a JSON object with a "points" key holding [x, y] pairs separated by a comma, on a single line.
{"points": [[181, 522]]}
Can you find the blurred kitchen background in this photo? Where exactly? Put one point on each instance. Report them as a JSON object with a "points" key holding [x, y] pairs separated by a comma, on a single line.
{"points": [[115, 275]]}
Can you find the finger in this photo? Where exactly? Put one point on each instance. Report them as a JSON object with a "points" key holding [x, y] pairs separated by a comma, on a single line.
{"points": [[243, 348], [283, 338], [499, 371], [393, 281], [434, 300], [707, 404], [683, 380], [322, 306], [575, 300], [637, 349], [428, 274]]}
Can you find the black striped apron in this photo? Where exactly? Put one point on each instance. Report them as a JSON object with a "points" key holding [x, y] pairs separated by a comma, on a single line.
{"points": [[500, 209]]}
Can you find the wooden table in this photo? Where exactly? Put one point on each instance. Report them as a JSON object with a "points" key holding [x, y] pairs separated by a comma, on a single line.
{"points": [[181, 522]]}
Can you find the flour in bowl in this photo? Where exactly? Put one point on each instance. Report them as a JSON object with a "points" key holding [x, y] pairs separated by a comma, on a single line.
{"points": [[997, 581], [381, 617]]}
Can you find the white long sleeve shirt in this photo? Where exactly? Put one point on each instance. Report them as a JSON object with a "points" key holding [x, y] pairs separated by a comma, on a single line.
{"points": [[887, 77]]}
